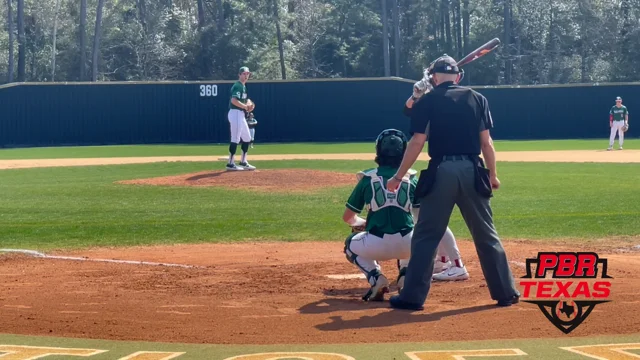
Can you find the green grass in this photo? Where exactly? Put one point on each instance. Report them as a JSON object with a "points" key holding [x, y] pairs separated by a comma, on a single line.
{"points": [[534, 349], [302, 148], [81, 206]]}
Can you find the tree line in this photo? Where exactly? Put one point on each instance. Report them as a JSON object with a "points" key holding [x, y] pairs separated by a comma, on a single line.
{"points": [[543, 41]]}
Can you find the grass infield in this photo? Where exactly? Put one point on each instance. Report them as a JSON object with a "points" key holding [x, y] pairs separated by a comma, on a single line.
{"points": [[70, 207]]}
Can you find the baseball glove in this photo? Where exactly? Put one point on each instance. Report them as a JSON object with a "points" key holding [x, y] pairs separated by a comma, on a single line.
{"points": [[359, 228], [625, 128], [250, 105]]}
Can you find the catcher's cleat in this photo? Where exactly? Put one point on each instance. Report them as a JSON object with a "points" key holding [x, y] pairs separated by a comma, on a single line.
{"points": [[377, 291]]}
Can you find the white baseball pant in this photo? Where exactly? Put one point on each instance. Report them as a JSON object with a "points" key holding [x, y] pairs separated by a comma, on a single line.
{"points": [[239, 127], [616, 128], [368, 249]]}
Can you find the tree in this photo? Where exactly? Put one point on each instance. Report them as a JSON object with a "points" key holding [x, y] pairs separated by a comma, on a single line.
{"points": [[53, 50], [82, 33], [276, 14], [22, 49], [10, 30], [385, 39], [96, 40]]}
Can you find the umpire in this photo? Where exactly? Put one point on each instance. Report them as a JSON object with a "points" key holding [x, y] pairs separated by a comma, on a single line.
{"points": [[456, 120]]}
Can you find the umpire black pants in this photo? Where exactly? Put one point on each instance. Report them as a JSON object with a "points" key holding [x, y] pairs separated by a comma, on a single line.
{"points": [[454, 185]]}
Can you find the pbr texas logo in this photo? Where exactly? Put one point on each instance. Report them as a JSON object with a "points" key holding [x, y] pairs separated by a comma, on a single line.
{"points": [[575, 286]]}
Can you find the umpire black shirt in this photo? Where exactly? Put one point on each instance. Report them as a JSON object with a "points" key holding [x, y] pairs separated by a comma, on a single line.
{"points": [[452, 116]]}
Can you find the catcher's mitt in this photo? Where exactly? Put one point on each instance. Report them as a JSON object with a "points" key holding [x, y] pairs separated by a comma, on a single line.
{"points": [[358, 228], [625, 128]]}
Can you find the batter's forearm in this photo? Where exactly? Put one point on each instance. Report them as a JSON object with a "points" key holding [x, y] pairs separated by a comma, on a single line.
{"points": [[489, 155]]}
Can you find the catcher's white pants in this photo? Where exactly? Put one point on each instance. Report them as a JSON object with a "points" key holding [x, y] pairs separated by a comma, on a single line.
{"points": [[253, 134], [368, 249], [616, 128], [239, 126]]}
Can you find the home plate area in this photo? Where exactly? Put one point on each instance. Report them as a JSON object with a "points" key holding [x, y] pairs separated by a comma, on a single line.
{"points": [[278, 293]]}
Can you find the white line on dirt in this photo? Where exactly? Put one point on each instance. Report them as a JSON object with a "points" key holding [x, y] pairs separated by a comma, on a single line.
{"points": [[72, 258], [346, 276]]}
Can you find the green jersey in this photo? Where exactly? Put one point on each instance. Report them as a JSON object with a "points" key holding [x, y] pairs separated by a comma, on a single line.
{"points": [[388, 212], [619, 112], [238, 91]]}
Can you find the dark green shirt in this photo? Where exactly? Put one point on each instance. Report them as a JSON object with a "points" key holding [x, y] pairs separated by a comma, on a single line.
{"points": [[619, 112], [238, 91], [388, 212]]}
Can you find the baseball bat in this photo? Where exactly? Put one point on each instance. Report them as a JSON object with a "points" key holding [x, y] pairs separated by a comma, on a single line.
{"points": [[480, 52]]}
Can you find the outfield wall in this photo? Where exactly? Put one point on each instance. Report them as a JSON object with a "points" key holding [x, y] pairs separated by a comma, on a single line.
{"points": [[51, 114]]}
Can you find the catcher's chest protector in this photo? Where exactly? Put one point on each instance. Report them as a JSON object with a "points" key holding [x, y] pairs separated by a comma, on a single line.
{"points": [[382, 198]]}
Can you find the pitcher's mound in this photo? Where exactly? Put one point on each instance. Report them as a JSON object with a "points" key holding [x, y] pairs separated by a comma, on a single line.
{"points": [[272, 180]]}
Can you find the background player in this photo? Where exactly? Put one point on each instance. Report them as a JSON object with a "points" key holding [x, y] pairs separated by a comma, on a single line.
{"points": [[238, 104], [618, 117], [252, 122]]}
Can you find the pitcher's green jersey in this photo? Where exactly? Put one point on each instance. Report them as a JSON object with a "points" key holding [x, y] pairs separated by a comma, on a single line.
{"points": [[389, 213], [619, 112], [238, 91]]}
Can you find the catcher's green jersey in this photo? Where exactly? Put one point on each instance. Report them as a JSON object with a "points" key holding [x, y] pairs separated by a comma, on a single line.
{"points": [[619, 112], [388, 212], [238, 91]]}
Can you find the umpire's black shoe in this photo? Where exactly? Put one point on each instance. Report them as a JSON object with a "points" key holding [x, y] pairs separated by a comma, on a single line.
{"points": [[396, 303], [510, 301]]}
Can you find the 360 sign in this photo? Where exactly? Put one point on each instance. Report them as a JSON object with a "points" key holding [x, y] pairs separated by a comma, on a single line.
{"points": [[208, 90]]}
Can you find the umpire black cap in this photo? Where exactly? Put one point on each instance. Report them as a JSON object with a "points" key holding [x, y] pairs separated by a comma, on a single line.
{"points": [[444, 64]]}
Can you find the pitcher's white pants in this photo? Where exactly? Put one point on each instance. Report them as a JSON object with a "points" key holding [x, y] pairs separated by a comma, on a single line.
{"points": [[616, 128], [239, 127]]}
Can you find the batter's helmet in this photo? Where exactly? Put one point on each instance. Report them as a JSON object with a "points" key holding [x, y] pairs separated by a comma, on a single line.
{"points": [[391, 143]]}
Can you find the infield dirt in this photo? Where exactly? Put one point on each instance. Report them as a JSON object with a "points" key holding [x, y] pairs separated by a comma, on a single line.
{"points": [[601, 156], [279, 293]]}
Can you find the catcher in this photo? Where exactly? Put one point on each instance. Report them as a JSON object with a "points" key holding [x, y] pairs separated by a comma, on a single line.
{"points": [[386, 233], [252, 123]]}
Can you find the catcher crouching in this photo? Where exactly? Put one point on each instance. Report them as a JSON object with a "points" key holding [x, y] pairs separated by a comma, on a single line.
{"points": [[386, 232]]}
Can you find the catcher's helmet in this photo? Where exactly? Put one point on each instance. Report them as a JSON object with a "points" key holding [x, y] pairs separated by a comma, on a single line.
{"points": [[391, 143]]}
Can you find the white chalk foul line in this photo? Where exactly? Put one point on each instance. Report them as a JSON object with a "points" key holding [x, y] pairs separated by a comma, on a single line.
{"points": [[134, 262], [346, 276]]}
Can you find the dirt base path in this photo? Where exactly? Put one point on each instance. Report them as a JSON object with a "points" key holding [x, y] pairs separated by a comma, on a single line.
{"points": [[625, 156], [278, 293]]}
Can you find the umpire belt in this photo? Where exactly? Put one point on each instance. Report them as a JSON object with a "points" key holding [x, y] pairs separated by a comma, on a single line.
{"points": [[381, 234], [458, 157]]}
